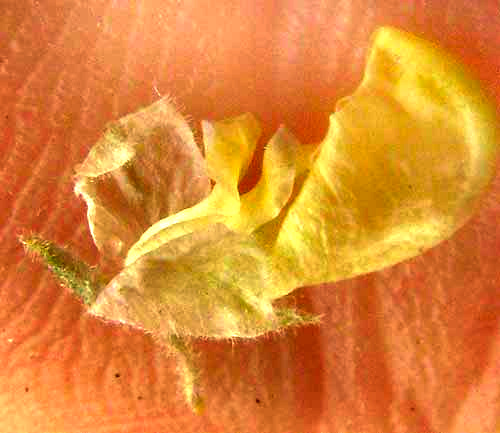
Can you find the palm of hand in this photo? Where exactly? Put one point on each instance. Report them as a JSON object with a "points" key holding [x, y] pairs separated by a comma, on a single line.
{"points": [[412, 348]]}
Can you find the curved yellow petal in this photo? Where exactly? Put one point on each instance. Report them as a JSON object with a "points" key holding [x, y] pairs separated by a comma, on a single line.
{"points": [[274, 188], [402, 167]]}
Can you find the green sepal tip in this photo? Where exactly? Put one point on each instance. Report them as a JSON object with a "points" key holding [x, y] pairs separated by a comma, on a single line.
{"points": [[72, 272]]}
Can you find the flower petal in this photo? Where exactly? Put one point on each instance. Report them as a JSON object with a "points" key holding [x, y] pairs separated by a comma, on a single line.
{"points": [[404, 163]]}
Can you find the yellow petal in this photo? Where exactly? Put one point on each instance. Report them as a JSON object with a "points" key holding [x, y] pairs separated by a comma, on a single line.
{"points": [[229, 147], [401, 169], [266, 200]]}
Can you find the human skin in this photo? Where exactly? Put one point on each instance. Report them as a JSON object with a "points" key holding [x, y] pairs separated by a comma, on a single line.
{"points": [[412, 348]]}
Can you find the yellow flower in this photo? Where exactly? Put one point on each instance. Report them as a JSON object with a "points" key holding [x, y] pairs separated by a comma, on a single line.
{"points": [[400, 170], [402, 167]]}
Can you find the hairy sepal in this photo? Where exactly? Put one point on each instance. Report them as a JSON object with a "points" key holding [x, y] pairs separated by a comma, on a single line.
{"points": [[210, 283], [146, 166]]}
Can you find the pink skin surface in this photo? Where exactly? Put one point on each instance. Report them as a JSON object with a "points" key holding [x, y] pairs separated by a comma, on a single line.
{"points": [[413, 348]]}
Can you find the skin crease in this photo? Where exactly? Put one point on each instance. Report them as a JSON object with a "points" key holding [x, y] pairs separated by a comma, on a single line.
{"points": [[413, 348]]}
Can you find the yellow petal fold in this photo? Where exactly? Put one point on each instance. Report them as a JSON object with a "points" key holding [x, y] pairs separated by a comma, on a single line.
{"points": [[229, 147]]}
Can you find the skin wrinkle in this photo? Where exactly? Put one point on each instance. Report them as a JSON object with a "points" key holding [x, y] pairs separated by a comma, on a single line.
{"points": [[474, 416], [31, 348], [369, 358], [31, 180], [440, 263]]}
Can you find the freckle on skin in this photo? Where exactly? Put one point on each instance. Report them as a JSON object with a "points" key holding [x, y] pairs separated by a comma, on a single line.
{"points": [[117, 375]]}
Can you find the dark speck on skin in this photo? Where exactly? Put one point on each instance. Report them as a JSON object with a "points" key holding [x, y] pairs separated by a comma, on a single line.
{"points": [[26, 389], [257, 401], [117, 375]]}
